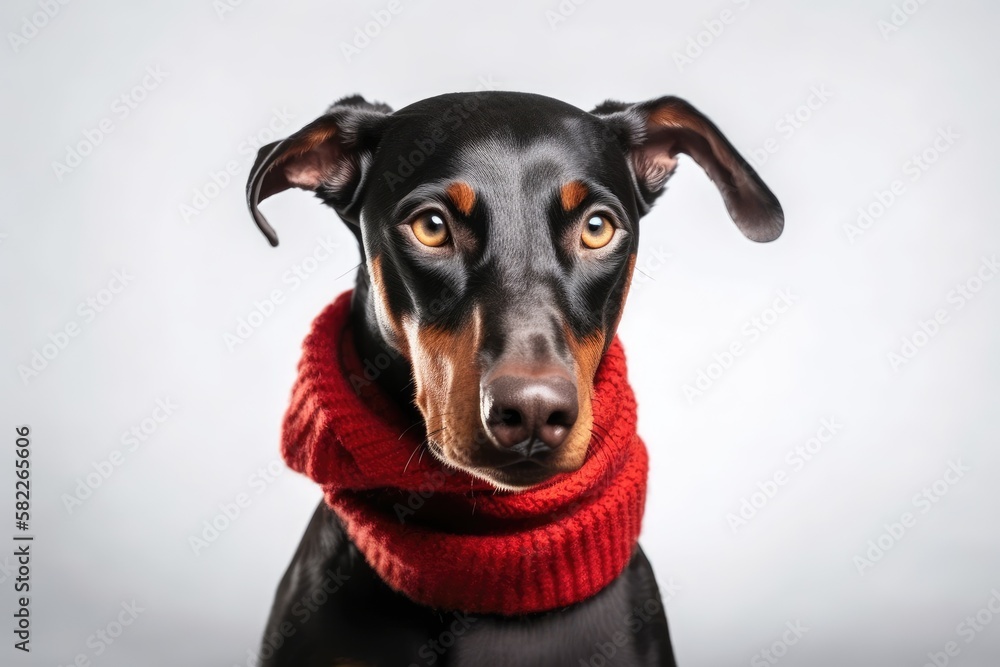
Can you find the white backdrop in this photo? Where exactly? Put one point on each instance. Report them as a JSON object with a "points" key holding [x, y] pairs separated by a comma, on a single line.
{"points": [[120, 121]]}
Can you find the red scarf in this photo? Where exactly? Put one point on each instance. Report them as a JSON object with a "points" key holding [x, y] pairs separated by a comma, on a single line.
{"points": [[439, 536]]}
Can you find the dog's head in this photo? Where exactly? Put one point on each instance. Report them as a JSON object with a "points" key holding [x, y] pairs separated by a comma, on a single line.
{"points": [[499, 232]]}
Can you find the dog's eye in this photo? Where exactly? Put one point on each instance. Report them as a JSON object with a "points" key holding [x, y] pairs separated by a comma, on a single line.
{"points": [[430, 229], [597, 232]]}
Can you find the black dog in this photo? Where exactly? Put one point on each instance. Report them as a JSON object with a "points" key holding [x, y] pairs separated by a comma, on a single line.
{"points": [[525, 210]]}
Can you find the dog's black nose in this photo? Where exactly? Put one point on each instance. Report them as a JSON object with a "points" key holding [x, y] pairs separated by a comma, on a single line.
{"points": [[530, 415]]}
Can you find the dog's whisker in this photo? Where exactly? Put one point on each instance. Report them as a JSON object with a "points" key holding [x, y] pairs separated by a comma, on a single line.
{"points": [[353, 268], [603, 429], [423, 421], [405, 430], [432, 433], [426, 441], [420, 446]]}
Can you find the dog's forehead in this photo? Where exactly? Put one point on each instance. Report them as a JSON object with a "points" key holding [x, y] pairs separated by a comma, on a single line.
{"points": [[515, 151], [504, 168]]}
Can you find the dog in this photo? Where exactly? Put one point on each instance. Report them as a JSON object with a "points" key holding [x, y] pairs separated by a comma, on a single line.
{"points": [[525, 211]]}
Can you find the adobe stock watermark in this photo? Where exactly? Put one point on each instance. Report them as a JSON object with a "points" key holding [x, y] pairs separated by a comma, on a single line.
{"points": [[7, 569], [795, 459], [224, 8], [86, 311], [651, 264], [559, 14], [231, 510], [222, 177], [433, 481], [410, 161], [131, 440], [120, 109], [32, 24], [924, 501], [293, 278], [778, 649], [103, 638], [898, 17], [432, 650], [789, 124], [638, 617], [956, 299], [967, 630], [913, 170], [485, 82], [365, 34], [308, 604], [712, 29], [415, 155], [750, 332]]}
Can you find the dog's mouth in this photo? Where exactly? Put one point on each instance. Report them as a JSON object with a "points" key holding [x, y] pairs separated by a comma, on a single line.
{"points": [[519, 476], [504, 471], [522, 474]]}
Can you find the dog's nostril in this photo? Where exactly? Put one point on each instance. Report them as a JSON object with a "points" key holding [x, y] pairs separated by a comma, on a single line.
{"points": [[560, 418], [510, 417]]}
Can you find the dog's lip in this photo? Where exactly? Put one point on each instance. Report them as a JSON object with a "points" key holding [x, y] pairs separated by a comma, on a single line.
{"points": [[513, 475], [519, 464], [522, 475]]}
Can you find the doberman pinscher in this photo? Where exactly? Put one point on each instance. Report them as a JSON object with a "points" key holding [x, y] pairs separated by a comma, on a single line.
{"points": [[525, 210]]}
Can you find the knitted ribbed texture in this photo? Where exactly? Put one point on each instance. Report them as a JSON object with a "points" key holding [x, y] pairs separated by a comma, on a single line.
{"points": [[441, 537]]}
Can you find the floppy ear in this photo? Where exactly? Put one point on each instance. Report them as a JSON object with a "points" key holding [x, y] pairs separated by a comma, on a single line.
{"points": [[655, 132], [328, 156]]}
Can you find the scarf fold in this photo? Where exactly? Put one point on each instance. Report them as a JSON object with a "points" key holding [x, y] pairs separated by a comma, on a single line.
{"points": [[440, 536]]}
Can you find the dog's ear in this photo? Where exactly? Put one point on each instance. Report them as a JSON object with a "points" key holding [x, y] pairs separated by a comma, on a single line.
{"points": [[328, 156], [654, 132]]}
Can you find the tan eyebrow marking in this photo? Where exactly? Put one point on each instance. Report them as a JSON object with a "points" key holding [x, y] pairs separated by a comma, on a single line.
{"points": [[571, 194], [462, 196]]}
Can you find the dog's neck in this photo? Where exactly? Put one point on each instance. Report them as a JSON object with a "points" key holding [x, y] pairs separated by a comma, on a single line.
{"points": [[396, 378], [464, 546]]}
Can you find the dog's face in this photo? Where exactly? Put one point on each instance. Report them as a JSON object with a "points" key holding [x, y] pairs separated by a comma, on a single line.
{"points": [[500, 231]]}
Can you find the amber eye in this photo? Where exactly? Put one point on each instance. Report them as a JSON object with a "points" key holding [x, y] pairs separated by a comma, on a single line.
{"points": [[598, 232], [430, 229]]}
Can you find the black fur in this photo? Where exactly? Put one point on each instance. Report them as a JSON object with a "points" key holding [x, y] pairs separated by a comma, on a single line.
{"points": [[361, 621]]}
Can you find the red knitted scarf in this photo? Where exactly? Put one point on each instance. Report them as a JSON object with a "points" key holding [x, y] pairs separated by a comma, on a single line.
{"points": [[440, 536]]}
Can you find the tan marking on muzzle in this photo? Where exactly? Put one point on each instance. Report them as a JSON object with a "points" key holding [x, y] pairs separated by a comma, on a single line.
{"points": [[587, 353], [391, 326], [446, 376]]}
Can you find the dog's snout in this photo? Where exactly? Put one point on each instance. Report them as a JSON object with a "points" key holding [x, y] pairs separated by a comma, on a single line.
{"points": [[530, 415]]}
